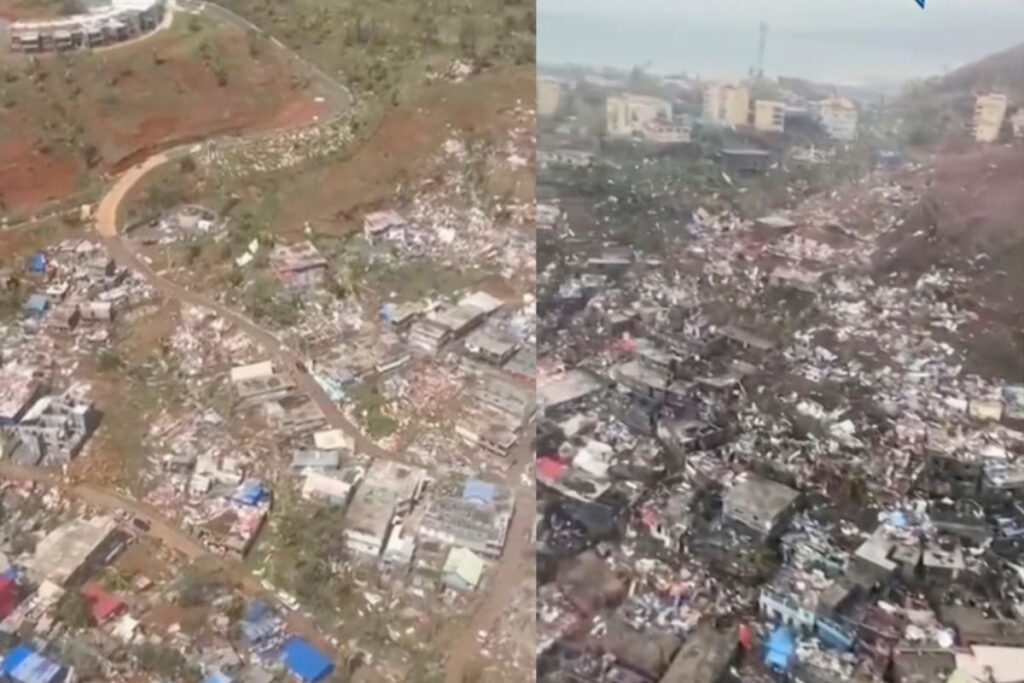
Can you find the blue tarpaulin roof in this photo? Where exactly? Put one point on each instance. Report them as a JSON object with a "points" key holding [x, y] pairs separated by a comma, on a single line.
{"points": [[217, 677], [10, 573], [250, 492], [24, 665], [254, 632], [305, 661], [37, 264], [256, 610], [477, 489], [387, 312], [779, 652]]}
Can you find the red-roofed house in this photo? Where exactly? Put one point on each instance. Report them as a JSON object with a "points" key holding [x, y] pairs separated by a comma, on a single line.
{"points": [[550, 469], [103, 604]]}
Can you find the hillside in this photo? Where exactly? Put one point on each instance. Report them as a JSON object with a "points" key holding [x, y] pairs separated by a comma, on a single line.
{"points": [[939, 109]]}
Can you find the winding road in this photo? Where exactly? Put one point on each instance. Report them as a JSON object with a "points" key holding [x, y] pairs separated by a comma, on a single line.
{"points": [[460, 643]]}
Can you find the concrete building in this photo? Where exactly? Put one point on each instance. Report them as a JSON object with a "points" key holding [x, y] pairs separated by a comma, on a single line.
{"points": [[298, 265], [769, 116], [744, 160], [478, 519], [727, 105], [838, 117], [627, 114], [759, 505], [332, 487], [549, 96], [368, 520], [989, 113], [70, 552], [104, 23], [56, 428], [1016, 124]]}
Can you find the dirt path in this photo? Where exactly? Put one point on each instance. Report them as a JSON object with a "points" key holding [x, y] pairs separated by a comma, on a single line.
{"points": [[516, 560], [167, 533], [508, 573]]}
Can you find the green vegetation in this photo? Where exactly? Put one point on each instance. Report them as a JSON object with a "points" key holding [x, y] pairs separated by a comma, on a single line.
{"points": [[370, 405], [306, 550], [73, 610], [165, 661], [267, 302], [381, 48]]}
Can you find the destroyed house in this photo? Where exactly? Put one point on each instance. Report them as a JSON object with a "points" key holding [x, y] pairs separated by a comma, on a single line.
{"points": [[705, 657], [381, 226], [649, 653], [489, 434], [252, 391], [56, 428], [745, 338], [746, 160], [515, 403], [760, 506], [298, 265]]}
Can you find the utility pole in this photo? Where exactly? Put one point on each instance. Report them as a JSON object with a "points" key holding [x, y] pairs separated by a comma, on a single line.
{"points": [[760, 50]]}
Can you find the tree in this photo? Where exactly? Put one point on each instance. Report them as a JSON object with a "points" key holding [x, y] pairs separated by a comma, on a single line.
{"points": [[255, 43], [187, 165], [469, 35], [73, 610]]}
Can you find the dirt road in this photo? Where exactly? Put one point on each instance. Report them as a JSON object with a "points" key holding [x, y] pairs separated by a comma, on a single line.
{"points": [[517, 559], [170, 535], [506, 577]]}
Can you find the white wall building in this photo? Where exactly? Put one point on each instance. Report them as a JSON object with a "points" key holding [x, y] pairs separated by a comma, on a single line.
{"points": [[838, 116], [627, 114]]}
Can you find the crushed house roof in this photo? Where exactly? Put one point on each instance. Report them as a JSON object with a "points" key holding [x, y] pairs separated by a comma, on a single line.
{"points": [[703, 658]]}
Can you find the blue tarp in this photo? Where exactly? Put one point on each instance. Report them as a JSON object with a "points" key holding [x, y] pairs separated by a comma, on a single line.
{"points": [[10, 573], [24, 665], [305, 661], [217, 677], [255, 632], [387, 312], [779, 652], [250, 492], [255, 610], [477, 489], [37, 264]]}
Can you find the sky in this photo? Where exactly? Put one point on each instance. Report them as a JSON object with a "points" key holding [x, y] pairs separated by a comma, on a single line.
{"points": [[844, 41]]}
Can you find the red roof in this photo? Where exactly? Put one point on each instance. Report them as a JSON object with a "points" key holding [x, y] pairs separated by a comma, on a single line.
{"points": [[548, 468], [104, 604]]}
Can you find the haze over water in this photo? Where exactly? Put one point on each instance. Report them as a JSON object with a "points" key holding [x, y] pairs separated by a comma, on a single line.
{"points": [[861, 41]]}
